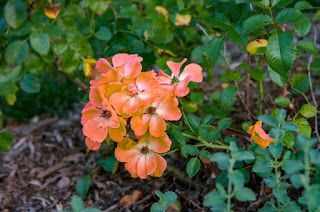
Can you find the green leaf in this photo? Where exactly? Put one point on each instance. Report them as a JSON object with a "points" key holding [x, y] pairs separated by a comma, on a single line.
{"points": [[245, 155], [280, 194], [162, 198], [290, 126], [6, 140], [99, 6], [280, 53], [17, 52], [76, 204], [292, 166], [275, 149], [304, 126], [224, 123], [230, 75], [228, 96], [309, 47], [245, 194], [262, 167], [109, 164], [34, 64], [83, 185], [30, 84], [282, 101], [103, 33], [193, 120], [189, 107], [213, 48], [171, 197], [156, 207], [222, 159], [257, 74], [213, 198], [308, 110], [189, 150], [197, 97], [293, 16], [193, 167], [15, 13], [205, 154], [303, 5], [208, 133], [178, 136], [237, 178], [40, 42], [277, 78], [268, 120], [256, 22], [315, 156]]}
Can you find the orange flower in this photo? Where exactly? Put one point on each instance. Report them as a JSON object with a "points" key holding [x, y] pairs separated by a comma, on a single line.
{"points": [[152, 116], [141, 159], [259, 135], [137, 92], [178, 83]]}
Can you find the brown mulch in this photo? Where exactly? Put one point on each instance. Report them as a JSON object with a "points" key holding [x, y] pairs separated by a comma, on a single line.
{"points": [[49, 156]]}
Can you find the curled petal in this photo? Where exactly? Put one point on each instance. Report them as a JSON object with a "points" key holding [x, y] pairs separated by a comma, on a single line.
{"points": [[93, 130], [140, 124], [131, 166], [149, 96], [92, 145], [97, 98], [175, 67], [126, 150], [118, 100], [163, 78], [157, 126], [103, 65], [132, 69], [159, 144], [169, 110], [193, 70], [146, 80], [132, 105], [161, 165], [146, 166], [89, 112], [117, 134], [181, 88]]}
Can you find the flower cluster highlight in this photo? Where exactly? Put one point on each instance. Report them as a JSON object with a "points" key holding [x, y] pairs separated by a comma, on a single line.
{"points": [[259, 136], [124, 95]]}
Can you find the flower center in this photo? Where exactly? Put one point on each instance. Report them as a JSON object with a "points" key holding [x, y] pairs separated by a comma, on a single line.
{"points": [[174, 80], [145, 150], [151, 110], [106, 114]]}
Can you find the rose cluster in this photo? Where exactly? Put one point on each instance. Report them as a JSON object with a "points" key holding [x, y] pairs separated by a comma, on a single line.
{"points": [[123, 95]]}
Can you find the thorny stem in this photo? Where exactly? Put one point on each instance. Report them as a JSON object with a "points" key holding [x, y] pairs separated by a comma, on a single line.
{"points": [[260, 63], [168, 153], [207, 144], [311, 89]]}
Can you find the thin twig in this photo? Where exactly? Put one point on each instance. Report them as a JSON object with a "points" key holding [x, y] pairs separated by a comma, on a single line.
{"points": [[203, 30], [311, 89]]}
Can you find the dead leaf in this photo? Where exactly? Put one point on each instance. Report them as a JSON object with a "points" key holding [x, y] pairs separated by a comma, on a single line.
{"points": [[182, 20], [53, 11], [129, 199]]}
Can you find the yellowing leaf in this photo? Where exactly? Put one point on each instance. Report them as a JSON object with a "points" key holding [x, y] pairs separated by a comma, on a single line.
{"points": [[257, 46], [224, 85], [163, 11], [88, 68], [53, 11], [182, 20]]}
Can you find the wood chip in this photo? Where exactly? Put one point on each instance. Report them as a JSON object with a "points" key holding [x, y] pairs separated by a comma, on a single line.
{"points": [[51, 170]]}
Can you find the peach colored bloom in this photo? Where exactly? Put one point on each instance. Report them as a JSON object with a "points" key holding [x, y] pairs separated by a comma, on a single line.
{"points": [[259, 135], [178, 83], [141, 159], [128, 66], [152, 116], [137, 92]]}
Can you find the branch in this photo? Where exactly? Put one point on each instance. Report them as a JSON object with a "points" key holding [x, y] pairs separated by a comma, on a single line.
{"points": [[311, 89]]}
